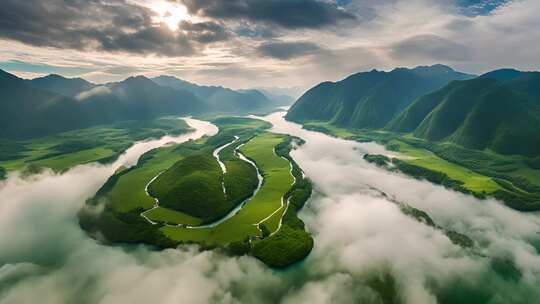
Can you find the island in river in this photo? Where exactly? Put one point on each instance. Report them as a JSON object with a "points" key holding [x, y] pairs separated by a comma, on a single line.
{"points": [[238, 190]]}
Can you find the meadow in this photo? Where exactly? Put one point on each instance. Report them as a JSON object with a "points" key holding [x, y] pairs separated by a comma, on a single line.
{"points": [[97, 144], [193, 208], [513, 179], [277, 181]]}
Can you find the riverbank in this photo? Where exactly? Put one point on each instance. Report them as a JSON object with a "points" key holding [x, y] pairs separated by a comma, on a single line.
{"points": [[229, 190], [511, 179]]}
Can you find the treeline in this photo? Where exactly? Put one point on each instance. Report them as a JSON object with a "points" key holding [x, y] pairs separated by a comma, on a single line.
{"points": [[513, 197], [488, 164], [421, 216], [421, 173]]}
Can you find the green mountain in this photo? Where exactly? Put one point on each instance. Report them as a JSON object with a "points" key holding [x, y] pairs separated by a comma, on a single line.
{"points": [[28, 110], [51, 104], [370, 99], [142, 98], [278, 98], [70, 87], [220, 99], [498, 111], [503, 74]]}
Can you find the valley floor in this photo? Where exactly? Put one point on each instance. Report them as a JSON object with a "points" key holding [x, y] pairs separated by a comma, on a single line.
{"points": [[65, 150], [481, 173], [231, 190]]}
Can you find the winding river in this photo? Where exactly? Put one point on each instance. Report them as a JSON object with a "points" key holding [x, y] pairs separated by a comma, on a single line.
{"points": [[239, 207], [357, 233]]}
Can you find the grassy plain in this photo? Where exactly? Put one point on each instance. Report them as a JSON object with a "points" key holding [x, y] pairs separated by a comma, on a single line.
{"points": [[512, 178], [172, 217], [189, 169], [97, 144], [427, 159], [277, 181]]}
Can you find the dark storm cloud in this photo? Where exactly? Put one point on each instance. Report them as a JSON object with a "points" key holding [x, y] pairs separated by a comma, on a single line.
{"points": [[287, 50], [97, 24], [285, 13], [431, 47]]}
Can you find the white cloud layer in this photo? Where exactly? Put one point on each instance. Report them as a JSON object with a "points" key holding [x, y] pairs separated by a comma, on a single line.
{"points": [[360, 236]]}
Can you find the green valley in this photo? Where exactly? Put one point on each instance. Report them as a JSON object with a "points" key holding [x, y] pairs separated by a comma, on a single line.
{"points": [[182, 194], [478, 136], [103, 143], [510, 178]]}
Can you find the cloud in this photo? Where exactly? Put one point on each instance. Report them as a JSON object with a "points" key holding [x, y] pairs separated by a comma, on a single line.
{"points": [[290, 14], [360, 236], [428, 47], [359, 231], [101, 90], [287, 50], [112, 26]]}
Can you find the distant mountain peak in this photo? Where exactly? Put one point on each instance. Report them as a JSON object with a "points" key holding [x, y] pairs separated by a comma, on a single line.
{"points": [[137, 80], [371, 99], [5, 76], [504, 74], [435, 67], [57, 76]]}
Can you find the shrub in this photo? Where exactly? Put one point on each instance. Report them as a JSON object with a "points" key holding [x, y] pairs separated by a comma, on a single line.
{"points": [[284, 248], [379, 160]]}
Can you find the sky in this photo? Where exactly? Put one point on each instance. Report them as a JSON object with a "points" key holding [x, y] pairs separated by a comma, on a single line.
{"points": [[271, 43]]}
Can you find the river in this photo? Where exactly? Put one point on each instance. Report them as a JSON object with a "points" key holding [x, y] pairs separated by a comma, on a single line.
{"points": [[360, 236]]}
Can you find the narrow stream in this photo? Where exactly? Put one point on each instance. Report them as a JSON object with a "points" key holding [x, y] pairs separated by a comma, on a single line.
{"points": [[234, 211], [221, 164]]}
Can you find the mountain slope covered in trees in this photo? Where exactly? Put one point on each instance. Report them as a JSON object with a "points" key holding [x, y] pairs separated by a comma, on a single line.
{"points": [[370, 99], [494, 112], [36, 108], [51, 104]]}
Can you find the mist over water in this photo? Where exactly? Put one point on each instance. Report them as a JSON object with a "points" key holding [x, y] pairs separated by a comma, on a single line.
{"points": [[359, 235], [359, 231]]}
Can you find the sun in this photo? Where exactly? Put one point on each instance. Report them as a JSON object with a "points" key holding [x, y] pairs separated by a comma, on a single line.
{"points": [[170, 13]]}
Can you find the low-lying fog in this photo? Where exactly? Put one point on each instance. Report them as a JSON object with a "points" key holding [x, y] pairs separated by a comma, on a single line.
{"points": [[359, 236]]}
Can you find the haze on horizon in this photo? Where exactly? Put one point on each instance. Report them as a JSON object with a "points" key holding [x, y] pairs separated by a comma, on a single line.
{"points": [[252, 43]]}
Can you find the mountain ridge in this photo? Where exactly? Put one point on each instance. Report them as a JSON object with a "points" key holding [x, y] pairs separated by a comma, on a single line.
{"points": [[370, 99]]}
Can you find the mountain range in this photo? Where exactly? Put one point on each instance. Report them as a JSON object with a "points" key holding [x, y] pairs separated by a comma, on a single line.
{"points": [[370, 99], [218, 98], [493, 112], [499, 110], [50, 104]]}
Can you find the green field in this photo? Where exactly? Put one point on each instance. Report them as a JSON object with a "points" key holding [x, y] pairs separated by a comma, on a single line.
{"points": [[329, 129], [172, 217], [129, 192], [513, 179], [194, 186], [424, 158], [187, 180], [277, 181], [97, 144]]}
